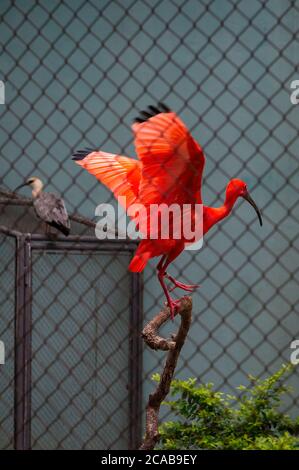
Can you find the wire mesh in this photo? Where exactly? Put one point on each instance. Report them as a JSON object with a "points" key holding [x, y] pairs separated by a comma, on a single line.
{"points": [[76, 73], [80, 361]]}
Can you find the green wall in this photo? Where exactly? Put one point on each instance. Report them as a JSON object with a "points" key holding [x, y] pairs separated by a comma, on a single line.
{"points": [[76, 74]]}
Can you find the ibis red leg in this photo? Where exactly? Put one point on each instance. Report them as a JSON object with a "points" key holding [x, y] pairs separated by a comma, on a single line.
{"points": [[181, 285], [172, 304]]}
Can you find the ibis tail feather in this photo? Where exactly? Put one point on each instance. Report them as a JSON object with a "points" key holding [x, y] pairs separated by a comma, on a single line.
{"points": [[139, 262], [62, 228]]}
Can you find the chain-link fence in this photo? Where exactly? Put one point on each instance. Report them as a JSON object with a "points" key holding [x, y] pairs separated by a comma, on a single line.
{"points": [[70, 316], [76, 73]]}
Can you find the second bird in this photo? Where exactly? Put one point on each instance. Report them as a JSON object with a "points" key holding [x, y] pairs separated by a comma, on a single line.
{"points": [[48, 207]]}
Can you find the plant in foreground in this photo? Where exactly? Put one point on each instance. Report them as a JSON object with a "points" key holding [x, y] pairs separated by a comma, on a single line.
{"points": [[207, 419]]}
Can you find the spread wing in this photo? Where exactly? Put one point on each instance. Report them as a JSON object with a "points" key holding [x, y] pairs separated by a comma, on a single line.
{"points": [[120, 174], [169, 169], [172, 161]]}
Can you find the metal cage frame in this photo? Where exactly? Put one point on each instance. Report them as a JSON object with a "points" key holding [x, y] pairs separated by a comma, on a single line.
{"points": [[25, 244]]}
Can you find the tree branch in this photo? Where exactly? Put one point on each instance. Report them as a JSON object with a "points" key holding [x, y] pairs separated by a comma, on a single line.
{"points": [[8, 198], [173, 346]]}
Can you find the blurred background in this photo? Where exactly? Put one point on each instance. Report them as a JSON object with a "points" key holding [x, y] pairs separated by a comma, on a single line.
{"points": [[76, 73]]}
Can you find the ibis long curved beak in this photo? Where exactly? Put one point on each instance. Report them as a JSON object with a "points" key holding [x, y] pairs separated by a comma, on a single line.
{"points": [[21, 186], [253, 204]]}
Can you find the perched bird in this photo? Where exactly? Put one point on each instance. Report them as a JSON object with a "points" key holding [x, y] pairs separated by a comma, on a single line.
{"points": [[168, 170], [48, 207]]}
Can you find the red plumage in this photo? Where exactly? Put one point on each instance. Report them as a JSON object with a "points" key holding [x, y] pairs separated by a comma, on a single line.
{"points": [[168, 170]]}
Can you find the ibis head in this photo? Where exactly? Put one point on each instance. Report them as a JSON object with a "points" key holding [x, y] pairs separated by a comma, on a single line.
{"points": [[36, 186], [237, 188]]}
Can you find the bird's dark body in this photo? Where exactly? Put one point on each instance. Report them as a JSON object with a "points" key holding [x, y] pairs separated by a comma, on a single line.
{"points": [[51, 210]]}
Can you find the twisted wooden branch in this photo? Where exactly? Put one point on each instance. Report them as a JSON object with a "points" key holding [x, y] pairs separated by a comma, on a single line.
{"points": [[173, 346]]}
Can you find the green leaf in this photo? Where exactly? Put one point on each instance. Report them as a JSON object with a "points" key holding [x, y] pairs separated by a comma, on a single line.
{"points": [[208, 419]]}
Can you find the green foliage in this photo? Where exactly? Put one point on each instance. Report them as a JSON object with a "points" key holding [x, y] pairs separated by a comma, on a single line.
{"points": [[214, 420]]}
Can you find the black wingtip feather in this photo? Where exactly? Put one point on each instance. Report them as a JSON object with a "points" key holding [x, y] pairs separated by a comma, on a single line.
{"points": [[152, 111], [164, 107], [81, 154]]}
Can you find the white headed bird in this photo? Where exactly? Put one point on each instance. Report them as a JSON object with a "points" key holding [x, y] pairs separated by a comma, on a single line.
{"points": [[48, 207]]}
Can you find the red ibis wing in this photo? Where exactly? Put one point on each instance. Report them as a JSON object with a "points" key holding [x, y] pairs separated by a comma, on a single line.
{"points": [[172, 161], [120, 174]]}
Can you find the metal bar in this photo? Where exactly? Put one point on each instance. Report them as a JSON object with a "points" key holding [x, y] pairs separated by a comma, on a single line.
{"points": [[127, 243], [19, 333], [83, 246], [27, 345], [83, 239], [10, 232], [23, 330], [135, 361], [62, 238], [22, 349], [81, 249]]}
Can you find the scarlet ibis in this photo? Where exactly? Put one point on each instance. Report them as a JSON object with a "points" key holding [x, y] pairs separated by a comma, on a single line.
{"points": [[168, 170], [48, 207]]}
